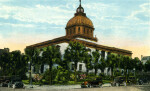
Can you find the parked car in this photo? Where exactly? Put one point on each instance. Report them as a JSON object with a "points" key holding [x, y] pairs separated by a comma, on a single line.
{"points": [[131, 80], [118, 81], [4, 80], [5, 83], [16, 83], [97, 82]]}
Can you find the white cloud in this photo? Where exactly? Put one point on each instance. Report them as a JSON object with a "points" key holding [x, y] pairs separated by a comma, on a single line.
{"points": [[19, 25], [144, 10], [39, 13]]}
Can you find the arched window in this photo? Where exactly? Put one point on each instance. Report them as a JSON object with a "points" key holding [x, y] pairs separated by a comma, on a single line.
{"points": [[84, 30], [91, 31]]}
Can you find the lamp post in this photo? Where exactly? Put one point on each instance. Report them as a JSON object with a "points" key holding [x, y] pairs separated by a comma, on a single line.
{"points": [[31, 86], [134, 71], [31, 74]]}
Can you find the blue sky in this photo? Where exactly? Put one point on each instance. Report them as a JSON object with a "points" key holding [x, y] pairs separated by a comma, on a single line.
{"points": [[119, 23]]}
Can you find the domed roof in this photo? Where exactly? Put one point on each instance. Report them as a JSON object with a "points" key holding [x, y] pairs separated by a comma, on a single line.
{"points": [[80, 20]]}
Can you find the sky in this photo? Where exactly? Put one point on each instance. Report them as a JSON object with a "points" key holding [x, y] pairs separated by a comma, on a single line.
{"points": [[123, 24]]}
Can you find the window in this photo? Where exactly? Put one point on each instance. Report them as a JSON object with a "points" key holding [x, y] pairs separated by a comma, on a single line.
{"points": [[72, 67], [67, 32], [42, 68], [74, 30], [91, 31], [87, 31], [80, 67], [84, 30], [70, 31], [78, 29]]}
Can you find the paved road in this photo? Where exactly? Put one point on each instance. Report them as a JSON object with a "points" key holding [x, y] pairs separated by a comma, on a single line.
{"points": [[77, 88]]}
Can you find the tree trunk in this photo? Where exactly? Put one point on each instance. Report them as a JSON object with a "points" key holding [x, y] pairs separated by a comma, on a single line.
{"points": [[95, 71], [112, 73], [30, 74], [87, 71], [102, 71], [75, 72], [50, 69], [126, 74]]}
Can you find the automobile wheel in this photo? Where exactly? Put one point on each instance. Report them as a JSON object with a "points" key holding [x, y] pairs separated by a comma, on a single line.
{"points": [[14, 86]]}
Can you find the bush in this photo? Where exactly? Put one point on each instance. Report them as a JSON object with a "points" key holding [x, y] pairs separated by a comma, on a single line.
{"points": [[62, 75], [46, 75]]}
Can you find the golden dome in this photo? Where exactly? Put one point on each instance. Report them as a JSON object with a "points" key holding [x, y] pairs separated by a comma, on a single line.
{"points": [[80, 20]]}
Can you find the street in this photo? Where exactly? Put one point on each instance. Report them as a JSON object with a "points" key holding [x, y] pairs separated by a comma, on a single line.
{"points": [[78, 88]]}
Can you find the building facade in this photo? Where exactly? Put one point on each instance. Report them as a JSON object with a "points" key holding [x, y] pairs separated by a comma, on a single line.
{"points": [[144, 59]]}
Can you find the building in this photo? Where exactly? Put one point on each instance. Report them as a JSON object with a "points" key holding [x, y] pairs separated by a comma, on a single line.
{"points": [[144, 59], [81, 29]]}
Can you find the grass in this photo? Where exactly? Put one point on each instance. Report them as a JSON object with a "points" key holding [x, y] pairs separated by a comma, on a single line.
{"points": [[68, 83]]}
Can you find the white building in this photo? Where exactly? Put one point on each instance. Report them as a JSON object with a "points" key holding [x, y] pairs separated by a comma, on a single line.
{"points": [[81, 29]]}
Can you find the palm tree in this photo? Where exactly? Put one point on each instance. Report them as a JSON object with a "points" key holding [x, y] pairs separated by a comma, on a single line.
{"points": [[50, 56], [96, 58], [74, 53]]}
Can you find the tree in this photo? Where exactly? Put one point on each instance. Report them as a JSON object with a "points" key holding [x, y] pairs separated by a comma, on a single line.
{"points": [[147, 66], [111, 63], [37, 60], [102, 65], [30, 51], [74, 53], [50, 56], [126, 65], [5, 63], [87, 59], [18, 63], [96, 58]]}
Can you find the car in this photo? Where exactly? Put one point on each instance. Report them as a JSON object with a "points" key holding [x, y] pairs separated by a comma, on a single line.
{"points": [[131, 80], [97, 82], [5, 83], [106, 85], [4, 80], [16, 83], [118, 81]]}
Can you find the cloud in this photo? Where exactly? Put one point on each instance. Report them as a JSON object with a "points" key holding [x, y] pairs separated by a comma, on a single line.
{"points": [[37, 14], [142, 14]]}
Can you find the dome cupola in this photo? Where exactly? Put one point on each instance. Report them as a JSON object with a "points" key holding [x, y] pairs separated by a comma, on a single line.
{"points": [[80, 24]]}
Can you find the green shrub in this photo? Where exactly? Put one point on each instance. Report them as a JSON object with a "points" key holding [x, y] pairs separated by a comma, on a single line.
{"points": [[46, 75], [62, 75]]}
